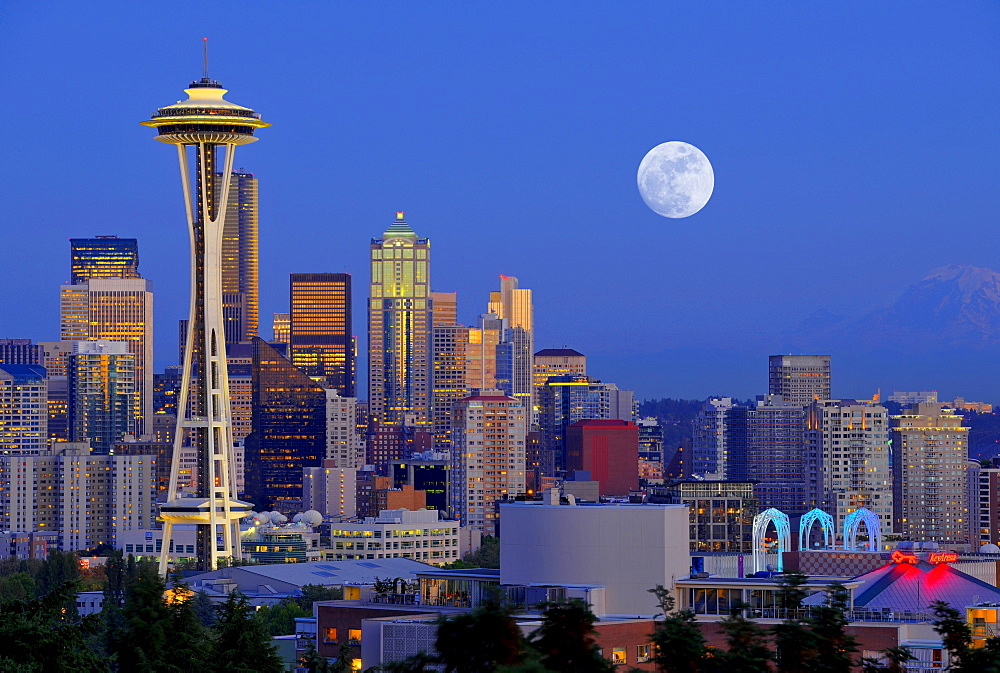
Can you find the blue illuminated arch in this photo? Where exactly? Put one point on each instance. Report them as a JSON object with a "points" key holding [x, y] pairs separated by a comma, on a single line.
{"points": [[783, 529], [825, 523], [872, 525]]}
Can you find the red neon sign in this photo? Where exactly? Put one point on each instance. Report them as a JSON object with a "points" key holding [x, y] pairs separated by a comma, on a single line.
{"points": [[934, 557]]}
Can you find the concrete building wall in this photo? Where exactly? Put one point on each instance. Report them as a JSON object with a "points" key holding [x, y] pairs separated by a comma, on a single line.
{"points": [[629, 549]]}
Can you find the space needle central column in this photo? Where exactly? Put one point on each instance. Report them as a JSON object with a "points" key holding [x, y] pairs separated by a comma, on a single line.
{"points": [[200, 127]]}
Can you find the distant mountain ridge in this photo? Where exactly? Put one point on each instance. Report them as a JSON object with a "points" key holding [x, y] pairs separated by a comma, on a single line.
{"points": [[954, 306]]}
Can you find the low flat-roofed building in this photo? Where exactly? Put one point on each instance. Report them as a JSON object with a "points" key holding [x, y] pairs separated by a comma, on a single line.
{"points": [[421, 535]]}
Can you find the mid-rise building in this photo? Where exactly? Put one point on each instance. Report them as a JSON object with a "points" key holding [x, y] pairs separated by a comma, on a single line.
{"points": [[429, 472], [321, 341], [609, 450], [240, 259], [103, 257], [344, 445], [399, 326], [330, 490], [709, 455], [23, 412], [422, 535], [487, 457], [799, 379], [930, 456], [985, 508], [445, 308], [721, 512], [102, 393], [557, 362], [281, 328], [908, 399], [116, 309], [848, 459]]}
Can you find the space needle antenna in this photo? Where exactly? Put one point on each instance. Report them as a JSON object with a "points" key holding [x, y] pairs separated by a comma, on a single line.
{"points": [[204, 41]]}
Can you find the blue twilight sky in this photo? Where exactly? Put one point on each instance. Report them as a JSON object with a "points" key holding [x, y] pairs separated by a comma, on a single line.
{"points": [[854, 145]]}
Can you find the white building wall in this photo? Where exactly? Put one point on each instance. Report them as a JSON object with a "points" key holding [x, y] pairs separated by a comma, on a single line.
{"points": [[629, 549]]}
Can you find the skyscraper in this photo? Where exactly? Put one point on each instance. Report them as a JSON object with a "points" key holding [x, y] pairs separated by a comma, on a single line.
{"points": [[799, 379], [116, 309], [281, 328], [23, 414], [930, 455], [708, 439], [101, 392], [206, 122], [399, 325], [517, 339], [289, 428], [321, 342], [103, 257], [240, 293]]}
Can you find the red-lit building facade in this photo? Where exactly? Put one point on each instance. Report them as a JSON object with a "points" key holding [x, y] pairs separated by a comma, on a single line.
{"points": [[609, 450]]}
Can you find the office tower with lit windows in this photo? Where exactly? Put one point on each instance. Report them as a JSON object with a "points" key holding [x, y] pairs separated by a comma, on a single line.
{"points": [[399, 326], [930, 456], [200, 127], [557, 362], [121, 310], [240, 289], [450, 355], [487, 457], [799, 379], [848, 459], [445, 308], [102, 385], [289, 429], [281, 328], [321, 342], [23, 414], [514, 353], [103, 257]]}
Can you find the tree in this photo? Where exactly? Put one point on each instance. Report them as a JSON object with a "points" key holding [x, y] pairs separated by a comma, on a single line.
{"points": [[242, 644], [191, 645], [896, 658], [38, 635], [795, 646], [565, 640], [748, 646], [481, 640], [828, 622], [143, 642], [487, 556], [279, 619], [956, 636], [680, 647]]}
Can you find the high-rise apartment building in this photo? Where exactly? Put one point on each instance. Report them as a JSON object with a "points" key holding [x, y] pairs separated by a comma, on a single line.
{"points": [[847, 459], [984, 506], [487, 457], [345, 447], [102, 384], [116, 309], [86, 499], [930, 456], [330, 490], [240, 289], [767, 444], [289, 429], [799, 379], [399, 325], [103, 257], [450, 356], [515, 364], [321, 342], [23, 412], [708, 439]]}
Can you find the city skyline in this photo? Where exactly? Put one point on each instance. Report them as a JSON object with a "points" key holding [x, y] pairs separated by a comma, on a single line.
{"points": [[544, 158]]}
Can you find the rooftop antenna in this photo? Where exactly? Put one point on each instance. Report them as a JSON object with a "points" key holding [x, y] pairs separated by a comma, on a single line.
{"points": [[205, 48]]}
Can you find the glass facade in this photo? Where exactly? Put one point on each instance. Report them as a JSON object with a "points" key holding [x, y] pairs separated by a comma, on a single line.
{"points": [[103, 257], [399, 325], [289, 428], [240, 290], [320, 329]]}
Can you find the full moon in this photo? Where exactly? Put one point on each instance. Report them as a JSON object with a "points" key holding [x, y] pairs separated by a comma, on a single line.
{"points": [[675, 179]]}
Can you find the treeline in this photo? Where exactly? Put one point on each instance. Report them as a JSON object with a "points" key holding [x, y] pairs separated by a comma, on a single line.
{"points": [[142, 627]]}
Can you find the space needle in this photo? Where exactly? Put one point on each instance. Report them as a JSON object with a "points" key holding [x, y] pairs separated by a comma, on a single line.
{"points": [[200, 127]]}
